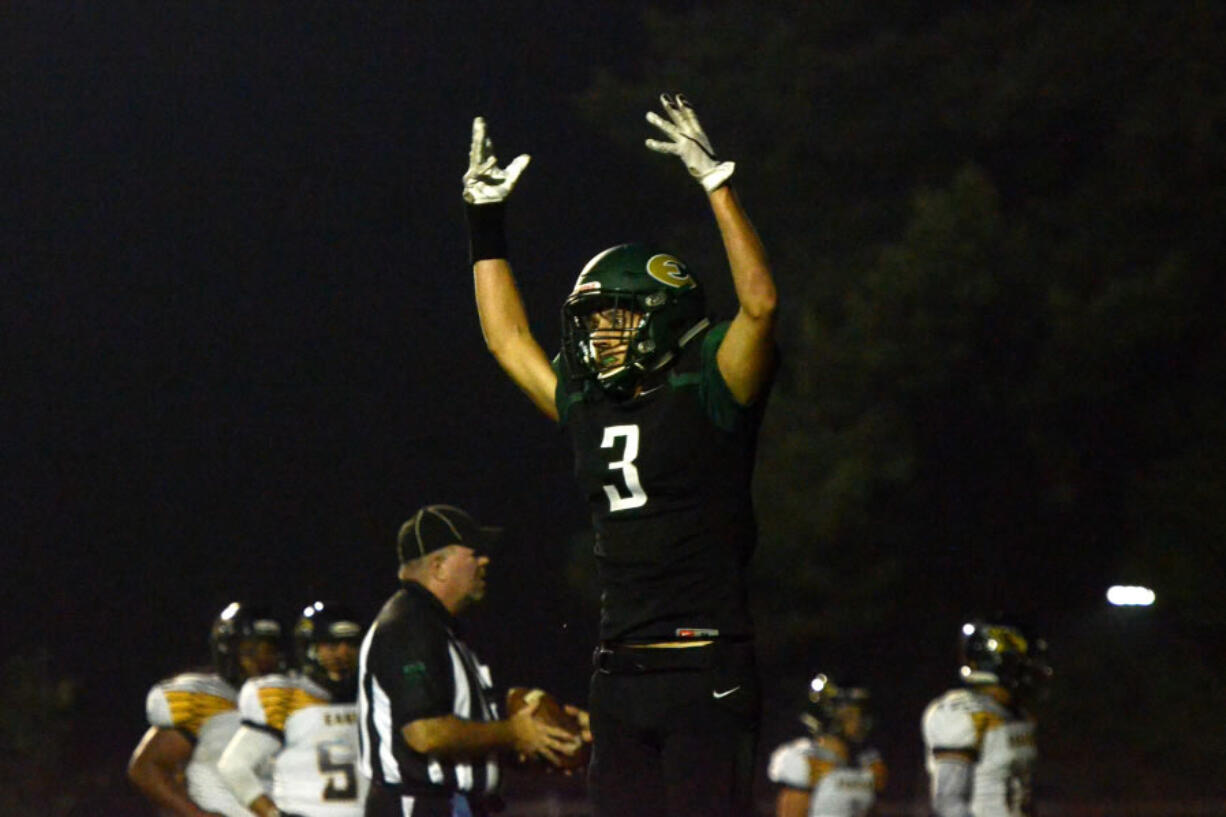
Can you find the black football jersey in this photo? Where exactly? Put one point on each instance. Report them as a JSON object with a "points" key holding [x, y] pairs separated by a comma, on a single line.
{"points": [[667, 479]]}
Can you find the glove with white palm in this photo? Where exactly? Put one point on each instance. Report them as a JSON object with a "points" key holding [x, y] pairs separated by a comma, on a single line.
{"points": [[689, 142], [486, 187], [484, 181]]}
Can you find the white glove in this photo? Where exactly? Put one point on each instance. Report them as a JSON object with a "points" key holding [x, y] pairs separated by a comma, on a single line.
{"points": [[484, 181], [689, 142]]}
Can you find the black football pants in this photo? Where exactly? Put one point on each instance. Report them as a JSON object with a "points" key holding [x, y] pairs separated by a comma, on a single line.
{"points": [[674, 742]]}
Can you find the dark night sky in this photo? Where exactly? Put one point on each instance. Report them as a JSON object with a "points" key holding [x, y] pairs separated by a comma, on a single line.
{"points": [[241, 346]]}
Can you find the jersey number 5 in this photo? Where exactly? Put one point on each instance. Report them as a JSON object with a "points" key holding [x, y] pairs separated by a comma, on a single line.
{"points": [[342, 781], [629, 448]]}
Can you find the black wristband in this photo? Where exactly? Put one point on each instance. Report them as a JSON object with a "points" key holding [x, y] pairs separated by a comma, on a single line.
{"points": [[487, 235]]}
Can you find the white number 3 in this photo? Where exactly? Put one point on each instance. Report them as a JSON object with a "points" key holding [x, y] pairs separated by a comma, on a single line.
{"points": [[630, 474]]}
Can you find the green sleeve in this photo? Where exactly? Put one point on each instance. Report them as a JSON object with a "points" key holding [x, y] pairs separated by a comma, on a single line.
{"points": [[563, 395], [713, 392]]}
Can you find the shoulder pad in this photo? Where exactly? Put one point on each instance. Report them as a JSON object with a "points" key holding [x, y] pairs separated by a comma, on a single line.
{"points": [[948, 723], [268, 701], [186, 701], [789, 764], [959, 719], [209, 683]]}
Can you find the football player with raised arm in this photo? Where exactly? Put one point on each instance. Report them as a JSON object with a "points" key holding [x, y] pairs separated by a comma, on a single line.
{"points": [[979, 738], [303, 723], [193, 715], [663, 407]]}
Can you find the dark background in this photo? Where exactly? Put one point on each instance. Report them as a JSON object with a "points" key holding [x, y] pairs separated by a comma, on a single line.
{"points": [[241, 346]]}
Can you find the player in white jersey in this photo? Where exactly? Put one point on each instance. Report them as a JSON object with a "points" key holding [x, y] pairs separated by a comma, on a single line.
{"points": [[192, 717], [979, 738], [829, 773], [305, 723]]}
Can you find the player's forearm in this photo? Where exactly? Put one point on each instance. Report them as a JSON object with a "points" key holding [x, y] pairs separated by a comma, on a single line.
{"points": [[950, 807], [452, 738], [504, 324], [500, 308], [504, 321], [751, 273], [792, 802], [161, 788], [951, 789], [879, 775], [245, 752], [156, 767]]}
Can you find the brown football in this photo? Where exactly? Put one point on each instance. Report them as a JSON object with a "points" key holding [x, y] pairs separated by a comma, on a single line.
{"points": [[550, 711]]}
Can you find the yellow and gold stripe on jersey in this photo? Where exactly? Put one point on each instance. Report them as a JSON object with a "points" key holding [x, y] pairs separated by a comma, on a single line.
{"points": [[189, 709], [279, 702]]}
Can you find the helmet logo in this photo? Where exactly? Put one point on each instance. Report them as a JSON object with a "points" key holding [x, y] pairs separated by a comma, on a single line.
{"points": [[669, 270]]}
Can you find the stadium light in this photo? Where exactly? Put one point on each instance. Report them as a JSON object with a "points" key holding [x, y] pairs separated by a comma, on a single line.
{"points": [[1126, 595]]}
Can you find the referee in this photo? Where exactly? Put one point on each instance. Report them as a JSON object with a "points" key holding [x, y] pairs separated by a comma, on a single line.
{"points": [[429, 728]]}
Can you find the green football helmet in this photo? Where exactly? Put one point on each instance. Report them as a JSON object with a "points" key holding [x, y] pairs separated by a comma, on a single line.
{"points": [[631, 310]]}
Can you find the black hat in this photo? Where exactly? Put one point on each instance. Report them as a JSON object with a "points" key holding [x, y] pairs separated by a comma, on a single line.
{"points": [[436, 526]]}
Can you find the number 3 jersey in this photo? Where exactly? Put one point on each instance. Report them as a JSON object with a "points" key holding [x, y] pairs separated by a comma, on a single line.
{"points": [[315, 772], [838, 787], [201, 705], [666, 476], [998, 741]]}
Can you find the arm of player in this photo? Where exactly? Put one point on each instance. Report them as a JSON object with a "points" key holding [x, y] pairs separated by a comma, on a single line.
{"points": [[746, 355], [245, 751], [504, 325], [880, 774], [454, 738], [951, 785], [504, 321], [156, 768], [793, 769], [792, 802]]}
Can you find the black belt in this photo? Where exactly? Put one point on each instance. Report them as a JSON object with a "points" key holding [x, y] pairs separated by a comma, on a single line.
{"points": [[616, 658]]}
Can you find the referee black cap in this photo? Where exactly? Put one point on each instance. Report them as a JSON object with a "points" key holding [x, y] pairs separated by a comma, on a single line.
{"points": [[434, 527]]}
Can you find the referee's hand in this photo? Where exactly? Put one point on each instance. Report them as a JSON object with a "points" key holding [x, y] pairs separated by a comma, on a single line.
{"points": [[585, 721], [536, 738]]}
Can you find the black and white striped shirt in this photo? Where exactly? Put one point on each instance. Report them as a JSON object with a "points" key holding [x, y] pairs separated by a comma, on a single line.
{"points": [[413, 665]]}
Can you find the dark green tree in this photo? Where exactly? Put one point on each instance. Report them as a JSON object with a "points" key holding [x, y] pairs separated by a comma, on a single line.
{"points": [[998, 234]]}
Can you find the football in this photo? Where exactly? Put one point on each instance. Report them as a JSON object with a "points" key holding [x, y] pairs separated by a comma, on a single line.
{"points": [[552, 712]]}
